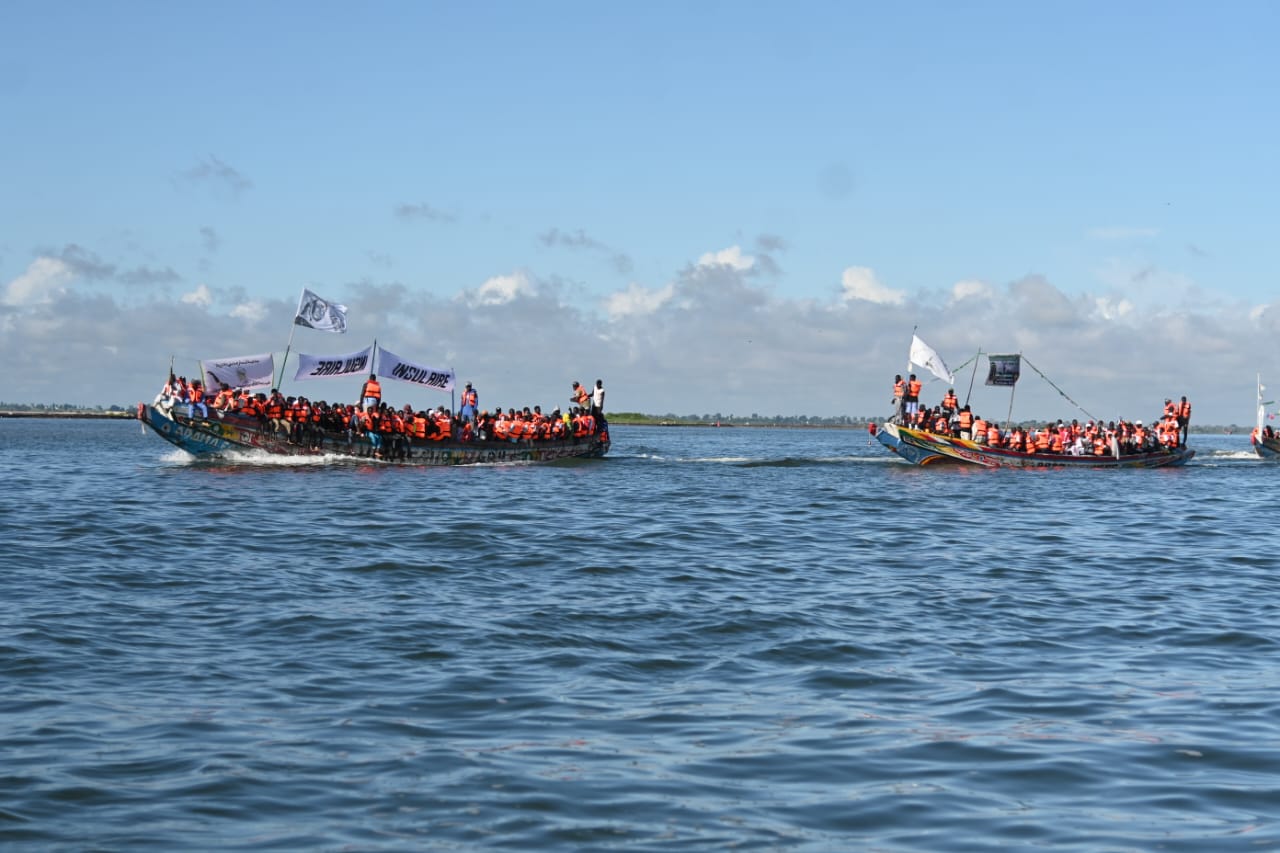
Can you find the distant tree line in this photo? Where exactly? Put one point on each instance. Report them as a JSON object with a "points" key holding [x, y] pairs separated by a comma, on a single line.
{"points": [[640, 418], [757, 419], [56, 407]]}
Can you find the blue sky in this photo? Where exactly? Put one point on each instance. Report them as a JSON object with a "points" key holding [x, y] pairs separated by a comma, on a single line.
{"points": [[714, 207]]}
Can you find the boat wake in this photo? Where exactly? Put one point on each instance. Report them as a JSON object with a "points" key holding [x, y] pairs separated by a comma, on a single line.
{"points": [[263, 459], [1213, 456], [756, 462]]}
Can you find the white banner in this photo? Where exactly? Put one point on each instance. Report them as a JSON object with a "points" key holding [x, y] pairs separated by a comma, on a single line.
{"points": [[392, 366], [246, 371], [329, 366], [923, 355], [315, 312]]}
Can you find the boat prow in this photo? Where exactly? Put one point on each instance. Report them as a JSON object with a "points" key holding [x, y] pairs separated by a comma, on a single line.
{"points": [[889, 436]]}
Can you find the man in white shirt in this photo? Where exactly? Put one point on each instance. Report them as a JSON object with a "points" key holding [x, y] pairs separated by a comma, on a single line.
{"points": [[597, 400]]}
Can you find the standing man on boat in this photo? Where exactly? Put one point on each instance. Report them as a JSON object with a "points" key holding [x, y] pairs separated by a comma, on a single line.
{"points": [[597, 400], [899, 400], [470, 402], [1184, 417], [580, 396], [370, 393], [914, 387]]}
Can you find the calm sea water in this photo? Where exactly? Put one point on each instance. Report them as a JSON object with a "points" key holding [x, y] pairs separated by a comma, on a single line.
{"points": [[712, 639]]}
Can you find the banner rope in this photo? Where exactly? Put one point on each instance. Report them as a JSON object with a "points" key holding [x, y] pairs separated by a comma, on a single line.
{"points": [[1059, 390]]}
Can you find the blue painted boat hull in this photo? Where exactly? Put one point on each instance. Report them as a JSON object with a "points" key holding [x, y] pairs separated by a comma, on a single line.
{"points": [[225, 434]]}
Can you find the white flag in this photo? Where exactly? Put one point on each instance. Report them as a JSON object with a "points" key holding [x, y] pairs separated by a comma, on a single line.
{"points": [[245, 371], [329, 366], [315, 312], [392, 366], [923, 355]]}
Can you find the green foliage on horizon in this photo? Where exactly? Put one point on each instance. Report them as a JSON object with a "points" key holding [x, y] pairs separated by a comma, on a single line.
{"points": [[635, 418], [57, 407]]}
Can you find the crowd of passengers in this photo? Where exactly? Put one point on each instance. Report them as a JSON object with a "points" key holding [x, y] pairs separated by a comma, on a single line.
{"points": [[390, 433], [949, 418]]}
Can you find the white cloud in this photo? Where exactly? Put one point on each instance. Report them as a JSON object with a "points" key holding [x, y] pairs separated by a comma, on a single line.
{"points": [[971, 289], [730, 257], [501, 289], [44, 278], [717, 338], [636, 300], [860, 283], [253, 311], [1113, 307], [201, 296]]}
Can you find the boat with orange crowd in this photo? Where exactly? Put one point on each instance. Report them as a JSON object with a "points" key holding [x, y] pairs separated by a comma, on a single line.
{"points": [[946, 434]]}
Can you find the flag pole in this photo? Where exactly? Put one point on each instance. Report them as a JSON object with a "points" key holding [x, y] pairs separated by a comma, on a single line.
{"points": [[284, 361], [969, 394], [1012, 388], [293, 327], [913, 340], [373, 370]]}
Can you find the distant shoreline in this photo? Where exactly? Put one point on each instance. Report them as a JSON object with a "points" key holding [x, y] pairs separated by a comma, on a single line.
{"points": [[75, 415], [1230, 429]]}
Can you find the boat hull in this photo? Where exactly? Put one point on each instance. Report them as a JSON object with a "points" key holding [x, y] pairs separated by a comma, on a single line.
{"points": [[224, 434], [915, 444], [1267, 448]]}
